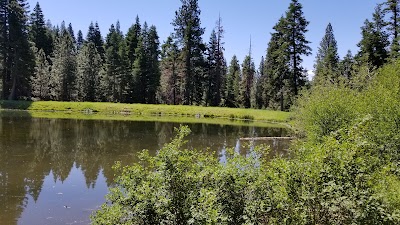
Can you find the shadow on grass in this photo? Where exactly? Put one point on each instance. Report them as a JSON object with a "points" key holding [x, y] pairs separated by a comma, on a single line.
{"points": [[20, 105]]}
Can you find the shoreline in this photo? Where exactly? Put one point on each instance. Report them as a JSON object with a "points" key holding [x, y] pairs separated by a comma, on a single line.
{"points": [[144, 112]]}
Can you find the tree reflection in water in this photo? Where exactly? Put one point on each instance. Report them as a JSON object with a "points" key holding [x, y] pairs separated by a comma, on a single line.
{"points": [[33, 149]]}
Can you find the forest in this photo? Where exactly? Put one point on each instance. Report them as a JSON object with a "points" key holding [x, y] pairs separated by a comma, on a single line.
{"points": [[41, 61]]}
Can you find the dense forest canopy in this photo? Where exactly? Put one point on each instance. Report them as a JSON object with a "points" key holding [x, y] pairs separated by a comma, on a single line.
{"points": [[41, 61]]}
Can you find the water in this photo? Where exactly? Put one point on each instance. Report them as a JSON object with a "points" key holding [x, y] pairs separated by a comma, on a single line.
{"points": [[57, 171]]}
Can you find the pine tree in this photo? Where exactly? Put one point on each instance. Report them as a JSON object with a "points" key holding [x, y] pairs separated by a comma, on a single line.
{"points": [[253, 91], [374, 41], [132, 40], [277, 69], [39, 33], [71, 33], [41, 77], [94, 36], [89, 66], [188, 32], [327, 59], [214, 81], [124, 68], [79, 41], [212, 78], [139, 70], [63, 81], [91, 35], [113, 65], [220, 63], [294, 32], [247, 81], [153, 65], [4, 47], [232, 83], [392, 7], [261, 79], [169, 92], [125, 73], [346, 65], [20, 56]]}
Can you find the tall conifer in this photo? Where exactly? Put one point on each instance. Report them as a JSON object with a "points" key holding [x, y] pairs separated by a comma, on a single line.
{"points": [[188, 32]]}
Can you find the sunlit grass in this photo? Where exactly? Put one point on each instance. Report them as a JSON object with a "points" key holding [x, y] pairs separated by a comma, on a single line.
{"points": [[179, 113]]}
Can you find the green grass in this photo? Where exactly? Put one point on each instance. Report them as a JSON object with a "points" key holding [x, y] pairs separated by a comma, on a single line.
{"points": [[101, 110]]}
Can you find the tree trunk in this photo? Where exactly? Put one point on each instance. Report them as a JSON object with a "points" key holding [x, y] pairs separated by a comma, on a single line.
{"points": [[13, 89]]}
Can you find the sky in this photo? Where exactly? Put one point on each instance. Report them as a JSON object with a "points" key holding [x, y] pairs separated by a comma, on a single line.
{"points": [[242, 20]]}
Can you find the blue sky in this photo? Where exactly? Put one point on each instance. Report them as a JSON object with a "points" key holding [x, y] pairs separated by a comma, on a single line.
{"points": [[241, 19]]}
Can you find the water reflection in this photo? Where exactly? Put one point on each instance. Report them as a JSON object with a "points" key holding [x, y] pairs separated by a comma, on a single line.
{"points": [[55, 171]]}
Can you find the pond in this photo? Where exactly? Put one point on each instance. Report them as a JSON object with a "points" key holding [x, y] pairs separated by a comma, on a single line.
{"points": [[57, 171]]}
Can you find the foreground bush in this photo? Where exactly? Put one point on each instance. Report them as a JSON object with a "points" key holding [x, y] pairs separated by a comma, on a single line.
{"points": [[180, 186], [331, 183], [346, 170]]}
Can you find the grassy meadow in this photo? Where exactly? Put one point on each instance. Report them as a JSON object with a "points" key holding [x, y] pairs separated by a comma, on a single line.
{"points": [[170, 113]]}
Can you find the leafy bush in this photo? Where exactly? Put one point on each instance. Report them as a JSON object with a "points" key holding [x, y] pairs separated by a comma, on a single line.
{"points": [[180, 186], [345, 170]]}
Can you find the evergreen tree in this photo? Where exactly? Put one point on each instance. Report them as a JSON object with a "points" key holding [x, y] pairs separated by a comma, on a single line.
{"points": [[94, 36], [188, 32], [392, 7], [79, 40], [261, 79], [221, 67], [146, 66], [232, 83], [71, 33], [55, 33], [284, 57], [63, 81], [4, 47], [277, 68], [247, 81], [253, 91], [20, 58], [169, 92], [118, 29], [132, 40], [91, 35], [113, 65], [39, 33], [125, 73], [41, 77], [140, 68], [124, 68], [327, 59], [346, 66], [214, 81], [89, 66], [62, 29], [294, 33], [153, 66], [374, 41]]}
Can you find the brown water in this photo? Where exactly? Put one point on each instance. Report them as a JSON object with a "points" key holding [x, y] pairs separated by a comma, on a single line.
{"points": [[57, 171]]}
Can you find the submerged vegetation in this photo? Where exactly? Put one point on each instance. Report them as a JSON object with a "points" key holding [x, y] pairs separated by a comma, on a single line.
{"points": [[345, 170]]}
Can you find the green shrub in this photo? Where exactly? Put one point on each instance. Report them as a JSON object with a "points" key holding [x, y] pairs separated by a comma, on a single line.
{"points": [[325, 109], [345, 170], [325, 183], [180, 186]]}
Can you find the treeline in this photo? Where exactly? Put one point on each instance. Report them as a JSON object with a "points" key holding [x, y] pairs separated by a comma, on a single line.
{"points": [[378, 46], [40, 61]]}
